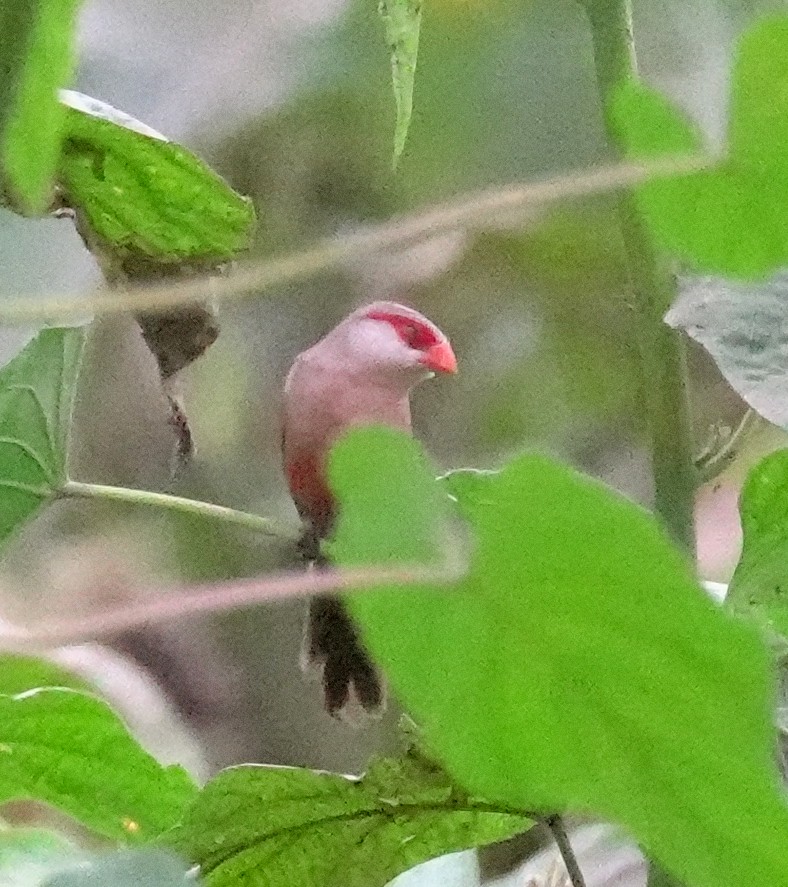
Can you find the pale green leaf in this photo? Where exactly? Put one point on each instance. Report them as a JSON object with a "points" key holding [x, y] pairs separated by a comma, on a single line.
{"points": [[402, 23], [578, 666], [36, 399], [146, 200], [70, 750]]}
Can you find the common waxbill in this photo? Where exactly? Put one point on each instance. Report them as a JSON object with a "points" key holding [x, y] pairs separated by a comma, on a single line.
{"points": [[360, 373]]}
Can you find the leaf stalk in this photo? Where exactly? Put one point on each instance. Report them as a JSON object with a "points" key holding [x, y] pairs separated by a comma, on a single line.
{"points": [[73, 489]]}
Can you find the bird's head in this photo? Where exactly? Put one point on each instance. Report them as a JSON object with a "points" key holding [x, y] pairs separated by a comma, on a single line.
{"points": [[392, 340]]}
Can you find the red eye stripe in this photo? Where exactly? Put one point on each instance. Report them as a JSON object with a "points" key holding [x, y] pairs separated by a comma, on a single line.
{"points": [[412, 332]]}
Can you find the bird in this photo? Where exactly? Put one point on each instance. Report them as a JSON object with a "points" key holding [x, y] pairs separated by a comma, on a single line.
{"points": [[360, 373]]}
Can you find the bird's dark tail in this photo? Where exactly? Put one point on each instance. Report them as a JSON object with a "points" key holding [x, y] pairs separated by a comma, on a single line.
{"points": [[333, 648], [333, 645]]}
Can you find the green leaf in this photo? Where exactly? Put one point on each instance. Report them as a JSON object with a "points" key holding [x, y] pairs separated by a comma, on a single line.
{"points": [[283, 825], [760, 584], [729, 220], [72, 751], [658, 877], [36, 59], [21, 673], [578, 665], [129, 868], [414, 528], [742, 327], [36, 400], [146, 200], [402, 22]]}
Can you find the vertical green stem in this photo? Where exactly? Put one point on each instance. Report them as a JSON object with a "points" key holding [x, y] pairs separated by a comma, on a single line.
{"points": [[664, 388]]}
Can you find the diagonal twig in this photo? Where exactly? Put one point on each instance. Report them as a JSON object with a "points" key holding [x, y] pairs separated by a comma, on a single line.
{"points": [[194, 600], [474, 211]]}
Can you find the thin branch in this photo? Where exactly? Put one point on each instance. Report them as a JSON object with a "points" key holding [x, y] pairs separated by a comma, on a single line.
{"points": [[222, 597], [76, 489], [475, 211], [558, 830]]}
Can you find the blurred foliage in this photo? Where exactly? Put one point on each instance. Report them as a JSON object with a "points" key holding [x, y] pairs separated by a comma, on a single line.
{"points": [[563, 671], [36, 59], [728, 220]]}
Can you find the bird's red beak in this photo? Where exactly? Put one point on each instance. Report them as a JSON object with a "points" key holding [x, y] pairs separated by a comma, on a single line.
{"points": [[440, 358]]}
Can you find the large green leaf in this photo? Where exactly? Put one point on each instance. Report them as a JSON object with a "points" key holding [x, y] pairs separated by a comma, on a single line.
{"points": [[402, 23], [71, 750], [281, 825], [36, 399], [578, 665], [148, 201], [36, 59], [730, 220], [760, 584], [658, 877]]}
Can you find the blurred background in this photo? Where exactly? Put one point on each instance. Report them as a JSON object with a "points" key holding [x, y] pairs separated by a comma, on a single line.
{"points": [[291, 101]]}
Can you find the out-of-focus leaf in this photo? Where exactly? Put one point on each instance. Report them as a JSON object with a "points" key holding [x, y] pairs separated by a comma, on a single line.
{"points": [[577, 361], [36, 399], [658, 877], [36, 59], [729, 220], [72, 751], [571, 252], [578, 665], [146, 200], [21, 673], [129, 868], [402, 22], [414, 528], [283, 825], [27, 856], [742, 326], [760, 583]]}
